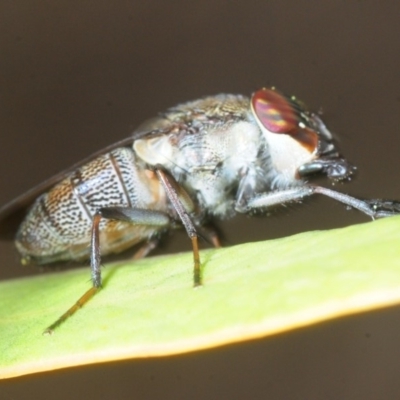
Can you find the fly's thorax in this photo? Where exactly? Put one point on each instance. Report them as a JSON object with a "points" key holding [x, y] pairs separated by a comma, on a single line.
{"points": [[209, 163], [221, 158], [218, 108]]}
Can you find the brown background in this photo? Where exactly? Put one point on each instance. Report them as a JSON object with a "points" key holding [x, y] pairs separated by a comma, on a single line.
{"points": [[76, 76]]}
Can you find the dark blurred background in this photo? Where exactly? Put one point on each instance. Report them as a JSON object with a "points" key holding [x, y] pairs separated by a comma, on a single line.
{"points": [[77, 76]]}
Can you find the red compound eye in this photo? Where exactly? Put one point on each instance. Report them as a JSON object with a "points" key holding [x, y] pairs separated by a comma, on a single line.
{"points": [[278, 114], [274, 111]]}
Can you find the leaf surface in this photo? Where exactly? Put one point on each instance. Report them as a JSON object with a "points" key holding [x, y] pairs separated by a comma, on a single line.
{"points": [[149, 308]]}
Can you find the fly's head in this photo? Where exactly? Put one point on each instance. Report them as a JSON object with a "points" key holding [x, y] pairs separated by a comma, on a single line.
{"points": [[299, 143]]}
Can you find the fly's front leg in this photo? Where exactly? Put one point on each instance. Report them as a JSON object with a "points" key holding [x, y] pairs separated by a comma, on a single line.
{"points": [[384, 208], [183, 205], [372, 208], [132, 215]]}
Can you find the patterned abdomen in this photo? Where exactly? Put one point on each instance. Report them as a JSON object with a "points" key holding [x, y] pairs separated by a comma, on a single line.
{"points": [[59, 223]]}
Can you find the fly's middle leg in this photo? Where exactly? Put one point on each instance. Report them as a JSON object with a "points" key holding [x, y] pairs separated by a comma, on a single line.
{"points": [[183, 206]]}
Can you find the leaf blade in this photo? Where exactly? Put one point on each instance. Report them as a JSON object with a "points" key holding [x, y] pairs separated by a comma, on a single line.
{"points": [[150, 309]]}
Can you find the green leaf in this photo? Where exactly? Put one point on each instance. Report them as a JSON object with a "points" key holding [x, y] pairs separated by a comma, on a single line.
{"points": [[150, 308]]}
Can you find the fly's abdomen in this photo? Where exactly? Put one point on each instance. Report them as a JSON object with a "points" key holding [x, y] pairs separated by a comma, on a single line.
{"points": [[58, 225]]}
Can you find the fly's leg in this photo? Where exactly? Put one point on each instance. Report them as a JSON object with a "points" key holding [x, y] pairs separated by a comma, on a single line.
{"points": [[372, 208], [183, 205], [384, 208], [146, 248], [132, 215], [212, 235]]}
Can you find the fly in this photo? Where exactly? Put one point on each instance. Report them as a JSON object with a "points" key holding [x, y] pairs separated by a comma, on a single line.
{"points": [[202, 160]]}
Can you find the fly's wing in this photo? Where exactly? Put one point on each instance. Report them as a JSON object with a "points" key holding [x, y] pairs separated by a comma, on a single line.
{"points": [[12, 214]]}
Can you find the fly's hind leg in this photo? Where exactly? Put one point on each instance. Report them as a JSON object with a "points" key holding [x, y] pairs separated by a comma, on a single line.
{"points": [[134, 216], [212, 234], [146, 248]]}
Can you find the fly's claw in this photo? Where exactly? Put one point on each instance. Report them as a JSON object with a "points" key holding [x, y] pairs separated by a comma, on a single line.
{"points": [[384, 208]]}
